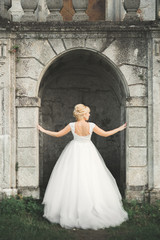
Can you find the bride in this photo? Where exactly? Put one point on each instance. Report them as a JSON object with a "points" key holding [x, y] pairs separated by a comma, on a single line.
{"points": [[81, 192]]}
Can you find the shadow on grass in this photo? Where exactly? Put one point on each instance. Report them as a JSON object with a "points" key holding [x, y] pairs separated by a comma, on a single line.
{"points": [[21, 219]]}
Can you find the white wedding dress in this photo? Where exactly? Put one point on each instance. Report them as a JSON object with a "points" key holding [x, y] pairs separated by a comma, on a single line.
{"points": [[81, 192]]}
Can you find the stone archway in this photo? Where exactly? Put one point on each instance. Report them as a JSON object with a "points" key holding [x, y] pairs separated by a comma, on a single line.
{"points": [[83, 76]]}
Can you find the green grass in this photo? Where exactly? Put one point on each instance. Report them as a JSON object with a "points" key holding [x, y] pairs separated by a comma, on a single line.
{"points": [[21, 219], [143, 224]]}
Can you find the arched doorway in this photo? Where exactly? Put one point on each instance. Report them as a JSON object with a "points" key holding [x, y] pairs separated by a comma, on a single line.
{"points": [[83, 76]]}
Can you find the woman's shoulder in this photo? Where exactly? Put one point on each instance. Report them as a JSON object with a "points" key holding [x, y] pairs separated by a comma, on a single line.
{"points": [[92, 123], [71, 123]]}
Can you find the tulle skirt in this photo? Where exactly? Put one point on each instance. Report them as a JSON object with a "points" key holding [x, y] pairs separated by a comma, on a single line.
{"points": [[81, 192]]}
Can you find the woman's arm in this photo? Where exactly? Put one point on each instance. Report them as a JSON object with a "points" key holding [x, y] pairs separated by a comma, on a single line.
{"points": [[103, 133], [61, 133]]}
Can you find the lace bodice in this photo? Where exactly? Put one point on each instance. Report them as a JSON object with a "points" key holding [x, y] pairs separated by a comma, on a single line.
{"points": [[82, 138]]}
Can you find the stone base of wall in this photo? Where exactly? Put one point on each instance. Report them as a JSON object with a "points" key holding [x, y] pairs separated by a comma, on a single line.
{"points": [[154, 195], [30, 191], [25, 192], [139, 196], [143, 195], [8, 192]]}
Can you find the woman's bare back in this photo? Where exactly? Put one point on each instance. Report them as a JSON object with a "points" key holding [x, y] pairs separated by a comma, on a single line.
{"points": [[82, 128]]}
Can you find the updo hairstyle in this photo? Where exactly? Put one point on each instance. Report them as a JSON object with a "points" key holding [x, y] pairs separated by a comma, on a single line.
{"points": [[80, 110]]}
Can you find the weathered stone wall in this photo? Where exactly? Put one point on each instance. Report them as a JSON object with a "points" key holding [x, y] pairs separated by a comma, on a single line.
{"points": [[127, 52]]}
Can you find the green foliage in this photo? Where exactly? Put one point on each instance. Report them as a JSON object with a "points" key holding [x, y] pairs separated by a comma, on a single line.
{"points": [[33, 206], [137, 211], [19, 206], [21, 218], [11, 206], [30, 228], [14, 49]]}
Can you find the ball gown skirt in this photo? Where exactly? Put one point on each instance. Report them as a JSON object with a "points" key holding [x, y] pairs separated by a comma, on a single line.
{"points": [[81, 192]]}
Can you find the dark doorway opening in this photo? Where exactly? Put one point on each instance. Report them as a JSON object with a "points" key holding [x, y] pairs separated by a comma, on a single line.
{"points": [[83, 76]]}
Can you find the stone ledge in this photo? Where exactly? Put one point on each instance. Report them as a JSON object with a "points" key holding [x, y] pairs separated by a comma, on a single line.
{"points": [[57, 26]]}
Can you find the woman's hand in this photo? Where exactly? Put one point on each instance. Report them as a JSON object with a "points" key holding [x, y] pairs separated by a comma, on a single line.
{"points": [[40, 128], [123, 127]]}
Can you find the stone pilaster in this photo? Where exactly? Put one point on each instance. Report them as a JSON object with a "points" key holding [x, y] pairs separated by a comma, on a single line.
{"points": [[114, 10], [7, 120], [28, 146], [154, 193]]}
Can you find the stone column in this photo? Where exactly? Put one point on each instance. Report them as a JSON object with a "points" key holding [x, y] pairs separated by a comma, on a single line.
{"points": [[131, 8], [1, 7], [4, 6], [16, 10], [114, 10], [29, 8], [42, 11], [54, 7], [80, 8], [7, 120], [28, 146]]}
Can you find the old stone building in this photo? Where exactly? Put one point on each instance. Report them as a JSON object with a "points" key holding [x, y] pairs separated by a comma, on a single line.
{"points": [[55, 54]]}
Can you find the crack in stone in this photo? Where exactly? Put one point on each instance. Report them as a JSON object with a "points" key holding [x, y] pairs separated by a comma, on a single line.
{"points": [[130, 64], [64, 45], [27, 77], [105, 48], [33, 58], [52, 47]]}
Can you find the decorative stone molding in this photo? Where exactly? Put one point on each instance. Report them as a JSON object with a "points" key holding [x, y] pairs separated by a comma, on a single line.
{"points": [[54, 7], [80, 8]]}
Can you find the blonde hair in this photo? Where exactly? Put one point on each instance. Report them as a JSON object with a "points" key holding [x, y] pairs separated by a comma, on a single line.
{"points": [[80, 110]]}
